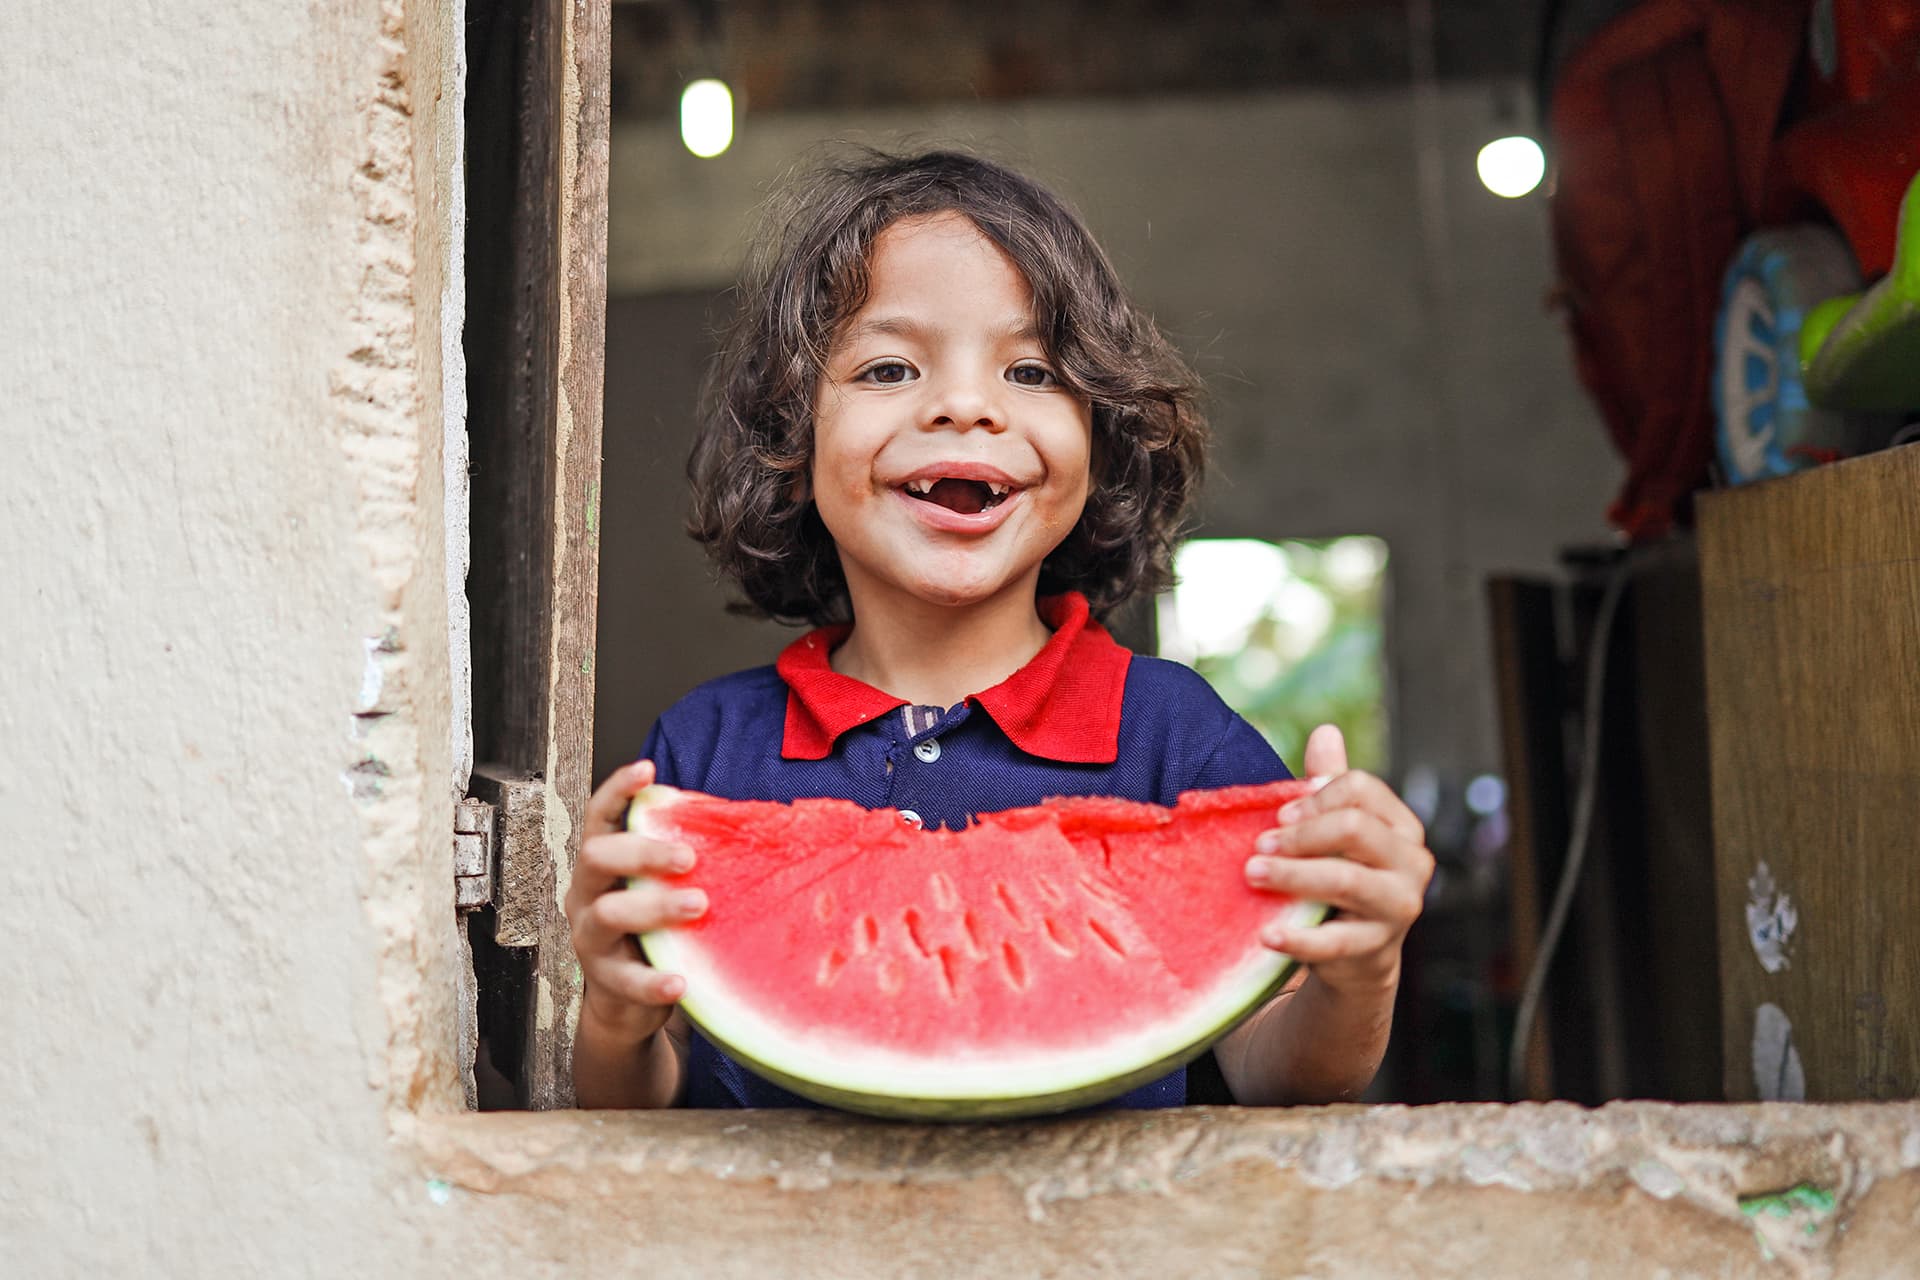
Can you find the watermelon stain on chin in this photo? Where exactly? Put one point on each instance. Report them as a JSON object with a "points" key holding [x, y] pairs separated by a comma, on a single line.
{"points": [[1039, 960]]}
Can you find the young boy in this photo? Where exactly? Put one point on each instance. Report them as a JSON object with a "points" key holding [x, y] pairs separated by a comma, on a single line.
{"points": [[944, 435]]}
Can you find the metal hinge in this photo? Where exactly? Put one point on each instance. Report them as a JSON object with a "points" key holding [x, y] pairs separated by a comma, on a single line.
{"points": [[500, 857], [472, 855]]}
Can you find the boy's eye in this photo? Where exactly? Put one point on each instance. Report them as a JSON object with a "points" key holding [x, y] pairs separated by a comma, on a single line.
{"points": [[887, 373], [1031, 375]]}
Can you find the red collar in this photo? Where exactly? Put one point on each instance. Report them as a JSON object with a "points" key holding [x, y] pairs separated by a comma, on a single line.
{"points": [[1064, 705]]}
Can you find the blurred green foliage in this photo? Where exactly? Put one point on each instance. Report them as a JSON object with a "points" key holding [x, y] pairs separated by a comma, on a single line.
{"points": [[1339, 680]]}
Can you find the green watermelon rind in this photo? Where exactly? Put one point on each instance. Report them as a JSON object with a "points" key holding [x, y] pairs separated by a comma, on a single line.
{"points": [[1048, 1084], [1018, 1098]]}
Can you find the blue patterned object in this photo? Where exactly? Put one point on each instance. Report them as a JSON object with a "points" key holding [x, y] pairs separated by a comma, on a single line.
{"points": [[1764, 423]]}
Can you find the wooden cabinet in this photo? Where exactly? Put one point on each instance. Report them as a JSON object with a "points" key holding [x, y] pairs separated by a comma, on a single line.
{"points": [[1811, 590]]}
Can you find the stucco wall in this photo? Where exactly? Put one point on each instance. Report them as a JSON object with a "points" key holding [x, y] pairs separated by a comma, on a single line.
{"points": [[226, 708], [224, 775]]}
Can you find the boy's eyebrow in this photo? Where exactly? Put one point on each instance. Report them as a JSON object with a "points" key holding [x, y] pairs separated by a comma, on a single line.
{"points": [[1022, 327], [889, 326]]}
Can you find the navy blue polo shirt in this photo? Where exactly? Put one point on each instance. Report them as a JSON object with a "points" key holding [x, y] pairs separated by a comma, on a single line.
{"points": [[1084, 717]]}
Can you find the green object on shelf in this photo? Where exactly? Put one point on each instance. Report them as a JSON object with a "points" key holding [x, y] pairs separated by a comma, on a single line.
{"points": [[1863, 351]]}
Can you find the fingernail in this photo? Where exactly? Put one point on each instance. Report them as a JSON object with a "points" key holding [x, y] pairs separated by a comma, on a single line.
{"points": [[682, 859], [674, 987], [1291, 810], [1269, 841], [688, 903], [1275, 938]]}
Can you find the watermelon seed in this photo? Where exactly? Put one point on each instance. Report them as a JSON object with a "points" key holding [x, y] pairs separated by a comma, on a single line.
{"points": [[866, 932], [830, 966], [823, 906], [889, 976], [971, 923], [944, 895], [1016, 965], [1049, 891], [1008, 905], [1101, 889], [912, 920], [949, 971], [1062, 940], [1106, 935]]}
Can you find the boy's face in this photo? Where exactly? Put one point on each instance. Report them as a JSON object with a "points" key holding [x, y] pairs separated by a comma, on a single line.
{"points": [[948, 460]]}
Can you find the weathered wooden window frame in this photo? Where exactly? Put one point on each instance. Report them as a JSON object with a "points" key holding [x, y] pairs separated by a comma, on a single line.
{"points": [[1217, 1191]]}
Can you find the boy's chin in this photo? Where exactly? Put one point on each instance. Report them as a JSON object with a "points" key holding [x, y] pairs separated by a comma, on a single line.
{"points": [[948, 594]]}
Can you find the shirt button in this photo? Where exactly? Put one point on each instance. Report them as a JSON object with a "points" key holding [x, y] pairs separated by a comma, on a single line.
{"points": [[912, 819], [928, 751]]}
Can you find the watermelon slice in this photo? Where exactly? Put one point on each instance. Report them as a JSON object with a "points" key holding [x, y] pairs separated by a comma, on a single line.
{"points": [[1042, 959]]}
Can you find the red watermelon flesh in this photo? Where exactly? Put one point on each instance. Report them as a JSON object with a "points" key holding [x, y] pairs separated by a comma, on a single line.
{"points": [[1043, 958]]}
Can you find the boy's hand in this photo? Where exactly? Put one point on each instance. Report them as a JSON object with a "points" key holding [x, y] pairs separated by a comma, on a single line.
{"points": [[627, 998], [1353, 845]]}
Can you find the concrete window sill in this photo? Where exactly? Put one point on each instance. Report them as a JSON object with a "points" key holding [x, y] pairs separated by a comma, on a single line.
{"points": [[1628, 1189]]}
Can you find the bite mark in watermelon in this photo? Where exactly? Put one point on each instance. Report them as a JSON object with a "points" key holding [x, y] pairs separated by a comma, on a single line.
{"points": [[1042, 959]]}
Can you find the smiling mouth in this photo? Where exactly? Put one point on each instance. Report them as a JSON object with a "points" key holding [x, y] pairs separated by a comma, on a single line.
{"points": [[968, 497]]}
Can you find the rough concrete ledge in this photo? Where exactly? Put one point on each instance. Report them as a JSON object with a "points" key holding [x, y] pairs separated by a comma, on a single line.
{"points": [[1631, 1189]]}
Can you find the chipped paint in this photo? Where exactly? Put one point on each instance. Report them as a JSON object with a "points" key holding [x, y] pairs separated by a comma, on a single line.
{"points": [[1804, 1201], [1788, 1220], [372, 680], [1771, 920], [559, 830], [365, 776], [543, 1006], [1777, 1073], [1657, 1179]]}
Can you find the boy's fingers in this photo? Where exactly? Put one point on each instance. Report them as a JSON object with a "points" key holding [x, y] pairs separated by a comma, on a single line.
{"points": [[1355, 789], [644, 908], [607, 806], [1334, 940], [1326, 753], [637, 983], [1345, 832], [1360, 892], [618, 854], [607, 861]]}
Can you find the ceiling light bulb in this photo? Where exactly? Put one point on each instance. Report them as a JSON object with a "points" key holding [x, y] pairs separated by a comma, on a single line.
{"points": [[706, 117], [1512, 167]]}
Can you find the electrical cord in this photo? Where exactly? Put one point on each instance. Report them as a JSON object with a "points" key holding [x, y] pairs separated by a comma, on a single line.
{"points": [[1582, 828]]}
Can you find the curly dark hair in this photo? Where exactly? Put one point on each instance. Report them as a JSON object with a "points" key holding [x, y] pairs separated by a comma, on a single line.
{"points": [[811, 275]]}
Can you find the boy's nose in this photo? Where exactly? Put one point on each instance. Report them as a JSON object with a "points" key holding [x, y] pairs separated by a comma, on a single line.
{"points": [[966, 403]]}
